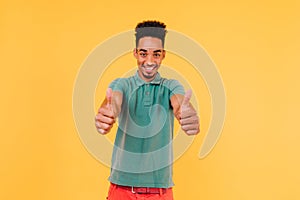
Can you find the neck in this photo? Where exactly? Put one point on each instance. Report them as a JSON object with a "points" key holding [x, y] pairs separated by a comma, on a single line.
{"points": [[146, 79]]}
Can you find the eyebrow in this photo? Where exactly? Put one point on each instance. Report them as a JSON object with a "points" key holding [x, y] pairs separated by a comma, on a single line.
{"points": [[145, 50]]}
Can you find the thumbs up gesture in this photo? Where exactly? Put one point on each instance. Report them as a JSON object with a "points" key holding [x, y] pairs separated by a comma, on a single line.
{"points": [[189, 119], [105, 117]]}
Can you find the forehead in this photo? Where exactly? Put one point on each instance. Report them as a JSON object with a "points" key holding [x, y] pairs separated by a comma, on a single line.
{"points": [[150, 43]]}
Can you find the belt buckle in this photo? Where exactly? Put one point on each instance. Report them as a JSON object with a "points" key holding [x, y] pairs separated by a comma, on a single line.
{"points": [[132, 190]]}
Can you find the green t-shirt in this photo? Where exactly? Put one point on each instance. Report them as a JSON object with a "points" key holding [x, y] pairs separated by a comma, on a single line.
{"points": [[142, 154]]}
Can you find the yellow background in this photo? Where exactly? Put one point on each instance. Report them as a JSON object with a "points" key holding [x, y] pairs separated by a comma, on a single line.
{"points": [[254, 44]]}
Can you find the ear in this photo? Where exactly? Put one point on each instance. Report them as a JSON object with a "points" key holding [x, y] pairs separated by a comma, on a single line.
{"points": [[163, 54], [135, 54]]}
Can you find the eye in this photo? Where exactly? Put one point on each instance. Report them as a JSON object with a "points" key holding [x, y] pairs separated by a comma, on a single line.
{"points": [[156, 55], [143, 54]]}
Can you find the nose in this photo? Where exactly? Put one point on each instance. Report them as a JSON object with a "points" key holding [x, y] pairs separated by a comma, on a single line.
{"points": [[150, 60]]}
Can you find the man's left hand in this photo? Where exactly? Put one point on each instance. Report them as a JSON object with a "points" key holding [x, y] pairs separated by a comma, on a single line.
{"points": [[189, 119]]}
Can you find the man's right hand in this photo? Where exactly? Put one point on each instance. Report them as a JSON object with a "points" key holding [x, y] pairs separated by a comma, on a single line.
{"points": [[105, 118]]}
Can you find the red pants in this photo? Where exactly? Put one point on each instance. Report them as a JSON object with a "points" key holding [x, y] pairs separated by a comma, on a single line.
{"points": [[119, 193]]}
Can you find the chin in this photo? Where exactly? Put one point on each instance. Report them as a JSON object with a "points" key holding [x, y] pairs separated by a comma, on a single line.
{"points": [[149, 76]]}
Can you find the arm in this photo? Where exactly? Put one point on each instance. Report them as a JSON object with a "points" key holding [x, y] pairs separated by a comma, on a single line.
{"points": [[185, 113]]}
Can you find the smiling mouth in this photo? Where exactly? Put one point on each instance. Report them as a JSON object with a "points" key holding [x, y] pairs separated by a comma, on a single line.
{"points": [[149, 69]]}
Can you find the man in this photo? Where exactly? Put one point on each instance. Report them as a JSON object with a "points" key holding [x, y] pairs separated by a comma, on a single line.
{"points": [[145, 105]]}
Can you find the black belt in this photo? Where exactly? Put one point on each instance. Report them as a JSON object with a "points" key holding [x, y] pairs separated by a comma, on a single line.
{"points": [[143, 190]]}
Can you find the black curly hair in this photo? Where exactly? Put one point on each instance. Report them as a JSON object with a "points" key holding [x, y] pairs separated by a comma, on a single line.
{"points": [[150, 28]]}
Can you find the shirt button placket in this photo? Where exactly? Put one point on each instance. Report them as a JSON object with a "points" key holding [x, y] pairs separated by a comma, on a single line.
{"points": [[147, 99]]}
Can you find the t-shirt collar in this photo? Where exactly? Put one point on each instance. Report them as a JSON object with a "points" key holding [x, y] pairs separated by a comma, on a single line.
{"points": [[140, 81]]}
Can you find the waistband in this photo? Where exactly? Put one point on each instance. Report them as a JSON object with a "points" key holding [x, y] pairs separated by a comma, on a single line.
{"points": [[143, 190]]}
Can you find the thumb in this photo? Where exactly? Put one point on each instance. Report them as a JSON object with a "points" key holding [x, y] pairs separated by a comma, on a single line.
{"points": [[187, 97], [108, 96]]}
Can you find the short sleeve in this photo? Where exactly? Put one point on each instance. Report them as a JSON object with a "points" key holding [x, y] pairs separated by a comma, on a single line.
{"points": [[117, 85], [175, 87]]}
